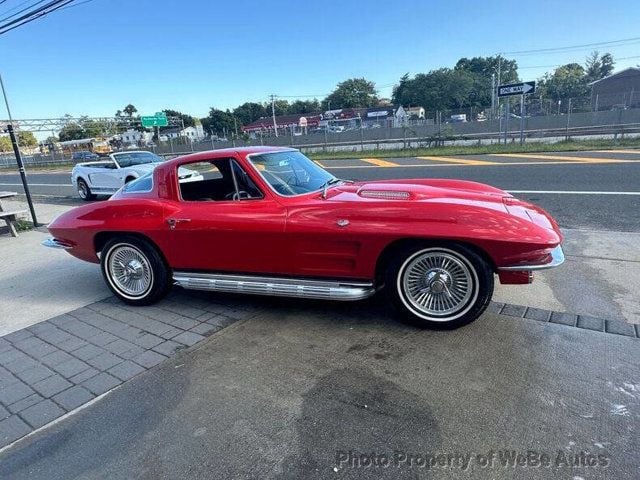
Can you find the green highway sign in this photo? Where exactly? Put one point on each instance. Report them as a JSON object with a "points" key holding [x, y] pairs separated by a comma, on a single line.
{"points": [[154, 120]]}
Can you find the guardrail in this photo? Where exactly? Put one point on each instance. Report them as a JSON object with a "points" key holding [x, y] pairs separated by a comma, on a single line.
{"points": [[405, 143]]}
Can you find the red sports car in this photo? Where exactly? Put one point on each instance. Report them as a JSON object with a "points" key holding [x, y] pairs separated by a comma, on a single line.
{"points": [[270, 221]]}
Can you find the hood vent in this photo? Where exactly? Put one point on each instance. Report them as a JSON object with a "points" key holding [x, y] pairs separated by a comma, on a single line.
{"points": [[385, 194]]}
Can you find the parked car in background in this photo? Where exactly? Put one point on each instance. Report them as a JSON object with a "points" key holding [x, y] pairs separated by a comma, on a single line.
{"points": [[84, 156], [269, 221], [106, 177]]}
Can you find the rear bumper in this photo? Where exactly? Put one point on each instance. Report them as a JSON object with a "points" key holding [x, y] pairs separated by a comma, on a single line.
{"points": [[55, 243], [557, 258]]}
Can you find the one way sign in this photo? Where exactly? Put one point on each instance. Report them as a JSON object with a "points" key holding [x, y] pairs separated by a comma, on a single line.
{"points": [[516, 89]]}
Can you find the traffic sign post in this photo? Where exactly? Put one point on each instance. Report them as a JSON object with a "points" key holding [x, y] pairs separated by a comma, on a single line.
{"points": [[516, 89], [512, 89]]}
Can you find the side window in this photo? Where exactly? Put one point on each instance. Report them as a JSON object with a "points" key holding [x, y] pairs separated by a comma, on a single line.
{"points": [[142, 184], [215, 180]]}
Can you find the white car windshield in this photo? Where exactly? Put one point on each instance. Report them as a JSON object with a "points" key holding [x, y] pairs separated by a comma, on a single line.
{"points": [[290, 172], [129, 159]]}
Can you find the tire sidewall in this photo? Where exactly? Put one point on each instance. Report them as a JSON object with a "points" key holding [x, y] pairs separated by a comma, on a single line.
{"points": [[481, 276], [160, 273], [82, 186]]}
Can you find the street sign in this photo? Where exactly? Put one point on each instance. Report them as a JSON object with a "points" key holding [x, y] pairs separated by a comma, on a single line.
{"points": [[161, 114], [516, 89], [154, 121]]}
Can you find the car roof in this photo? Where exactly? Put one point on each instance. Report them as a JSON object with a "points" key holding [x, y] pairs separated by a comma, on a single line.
{"points": [[223, 152]]}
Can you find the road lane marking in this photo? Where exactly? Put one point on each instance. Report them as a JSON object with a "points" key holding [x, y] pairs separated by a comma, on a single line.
{"points": [[497, 164], [558, 157], [379, 163], [617, 151], [457, 160], [577, 192], [36, 185]]}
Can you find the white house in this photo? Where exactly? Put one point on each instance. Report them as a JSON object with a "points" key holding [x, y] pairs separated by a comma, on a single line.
{"points": [[193, 134], [134, 137]]}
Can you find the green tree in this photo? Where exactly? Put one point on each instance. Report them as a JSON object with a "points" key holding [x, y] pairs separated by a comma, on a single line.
{"points": [[567, 81], [5, 144], [305, 106], [481, 69], [281, 107], [598, 67], [218, 122], [440, 89], [352, 93], [27, 139], [72, 131], [130, 110], [249, 112], [96, 128], [188, 120]]}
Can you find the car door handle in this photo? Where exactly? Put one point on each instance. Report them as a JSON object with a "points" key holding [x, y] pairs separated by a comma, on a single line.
{"points": [[174, 221]]}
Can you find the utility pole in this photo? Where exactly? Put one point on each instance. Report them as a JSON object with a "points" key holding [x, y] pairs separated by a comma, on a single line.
{"points": [[493, 95], [273, 114], [522, 119], [16, 151], [499, 79]]}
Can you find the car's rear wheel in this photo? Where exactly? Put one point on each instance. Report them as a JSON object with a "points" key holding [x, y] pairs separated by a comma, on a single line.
{"points": [[439, 286], [134, 270], [84, 192]]}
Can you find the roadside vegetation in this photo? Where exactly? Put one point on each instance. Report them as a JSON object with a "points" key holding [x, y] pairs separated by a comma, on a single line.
{"points": [[564, 146]]}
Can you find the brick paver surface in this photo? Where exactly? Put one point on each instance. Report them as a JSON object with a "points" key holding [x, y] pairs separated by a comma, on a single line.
{"points": [[55, 366]]}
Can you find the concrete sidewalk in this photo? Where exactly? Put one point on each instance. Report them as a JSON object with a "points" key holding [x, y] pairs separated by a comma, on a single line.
{"points": [[601, 278], [315, 391], [37, 283]]}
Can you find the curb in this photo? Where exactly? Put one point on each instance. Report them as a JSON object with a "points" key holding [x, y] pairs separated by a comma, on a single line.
{"points": [[585, 322]]}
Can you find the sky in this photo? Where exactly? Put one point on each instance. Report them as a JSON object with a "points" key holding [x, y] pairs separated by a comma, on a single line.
{"points": [[191, 55]]}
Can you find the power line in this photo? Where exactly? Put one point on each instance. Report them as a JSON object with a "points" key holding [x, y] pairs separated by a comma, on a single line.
{"points": [[631, 40], [20, 11], [561, 64], [34, 15]]}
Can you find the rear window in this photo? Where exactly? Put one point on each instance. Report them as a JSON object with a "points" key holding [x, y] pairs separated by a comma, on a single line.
{"points": [[142, 184]]}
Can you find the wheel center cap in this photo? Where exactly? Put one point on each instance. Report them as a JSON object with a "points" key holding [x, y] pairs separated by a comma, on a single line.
{"points": [[437, 281], [133, 269], [437, 286]]}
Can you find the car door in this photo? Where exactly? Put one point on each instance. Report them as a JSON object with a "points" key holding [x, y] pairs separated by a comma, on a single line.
{"points": [[213, 229], [105, 176]]}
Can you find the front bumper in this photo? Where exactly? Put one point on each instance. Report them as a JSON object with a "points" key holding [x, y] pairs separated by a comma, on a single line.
{"points": [[557, 258]]}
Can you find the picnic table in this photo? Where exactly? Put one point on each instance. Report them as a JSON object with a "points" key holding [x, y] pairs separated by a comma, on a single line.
{"points": [[10, 217]]}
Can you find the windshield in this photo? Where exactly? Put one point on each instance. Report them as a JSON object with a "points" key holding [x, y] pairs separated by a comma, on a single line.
{"points": [[129, 159], [290, 172]]}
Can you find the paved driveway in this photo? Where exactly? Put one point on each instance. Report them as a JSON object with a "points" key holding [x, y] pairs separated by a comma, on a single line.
{"points": [[312, 390]]}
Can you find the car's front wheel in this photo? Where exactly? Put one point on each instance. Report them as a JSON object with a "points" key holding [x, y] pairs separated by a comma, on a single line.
{"points": [[84, 192], [134, 270], [439, 286]]}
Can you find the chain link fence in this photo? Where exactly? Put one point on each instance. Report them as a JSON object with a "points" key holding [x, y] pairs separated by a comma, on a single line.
{"points": [[601, 116]]}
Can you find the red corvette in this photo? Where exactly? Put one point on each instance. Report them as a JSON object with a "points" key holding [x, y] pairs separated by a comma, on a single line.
{"points": [[270, 221]]}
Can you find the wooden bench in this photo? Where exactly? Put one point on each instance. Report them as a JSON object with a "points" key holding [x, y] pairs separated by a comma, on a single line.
{"points": [[11, 218]]}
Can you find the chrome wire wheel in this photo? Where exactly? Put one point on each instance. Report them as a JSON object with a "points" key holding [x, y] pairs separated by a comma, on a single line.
{"points": [[129, 271], [438, 284]]}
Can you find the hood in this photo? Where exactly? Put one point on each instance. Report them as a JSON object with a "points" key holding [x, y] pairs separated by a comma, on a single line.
{"points": [[419, 190], [146, 167]]}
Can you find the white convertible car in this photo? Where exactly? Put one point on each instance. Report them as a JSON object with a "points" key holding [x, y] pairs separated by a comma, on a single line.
{"points": [[106, 177]]}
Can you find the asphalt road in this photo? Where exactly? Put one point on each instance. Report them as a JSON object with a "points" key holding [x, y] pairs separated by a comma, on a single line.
{"points": [[607, 182]]}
